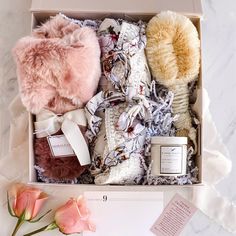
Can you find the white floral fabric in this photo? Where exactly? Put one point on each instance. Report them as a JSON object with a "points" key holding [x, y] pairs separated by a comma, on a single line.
{"points": [[117, 114]]}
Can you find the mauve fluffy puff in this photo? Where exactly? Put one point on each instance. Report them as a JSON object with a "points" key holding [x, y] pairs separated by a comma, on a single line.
{"points": [[58, 66], [59, 168], [173, 48]]}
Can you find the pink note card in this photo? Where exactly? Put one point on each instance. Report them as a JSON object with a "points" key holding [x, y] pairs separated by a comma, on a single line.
{"points": [[174, 217]]}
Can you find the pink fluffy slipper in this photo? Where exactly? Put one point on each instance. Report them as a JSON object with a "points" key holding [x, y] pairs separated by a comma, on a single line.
{"points": [[58, 66]]}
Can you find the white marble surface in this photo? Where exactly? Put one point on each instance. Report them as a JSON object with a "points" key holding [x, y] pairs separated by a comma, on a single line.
{"points": [[219, 69]]}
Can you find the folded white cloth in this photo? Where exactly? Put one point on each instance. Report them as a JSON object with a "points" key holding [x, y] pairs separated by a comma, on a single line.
{"points": [[215, 167]]}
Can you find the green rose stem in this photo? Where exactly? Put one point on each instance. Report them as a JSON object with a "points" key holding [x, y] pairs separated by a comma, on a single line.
{"points": [[18, 225], [51, 226], [20, 221]]}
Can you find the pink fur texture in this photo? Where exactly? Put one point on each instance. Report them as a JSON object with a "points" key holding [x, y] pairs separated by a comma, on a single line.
{"points": [[58, 66], [56, 27]]}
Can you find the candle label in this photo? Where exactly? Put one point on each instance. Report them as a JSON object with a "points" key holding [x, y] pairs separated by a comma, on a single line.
{"points": [[171, 159], [60, 146]]}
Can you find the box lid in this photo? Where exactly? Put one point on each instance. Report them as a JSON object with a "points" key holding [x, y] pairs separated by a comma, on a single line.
{"points": [[188, 7]]}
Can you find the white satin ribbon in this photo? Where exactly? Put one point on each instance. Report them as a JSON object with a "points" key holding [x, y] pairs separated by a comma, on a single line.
{"points": [[48, 123]]}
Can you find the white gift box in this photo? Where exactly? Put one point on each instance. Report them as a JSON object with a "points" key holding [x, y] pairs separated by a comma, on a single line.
{"points": [[130, 10]]}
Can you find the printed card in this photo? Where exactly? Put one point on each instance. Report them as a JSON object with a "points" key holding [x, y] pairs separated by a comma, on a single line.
{"points": [[174, 217]]}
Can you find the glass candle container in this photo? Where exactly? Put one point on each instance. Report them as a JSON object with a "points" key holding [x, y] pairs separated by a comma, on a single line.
{"points": [[169, 156]]}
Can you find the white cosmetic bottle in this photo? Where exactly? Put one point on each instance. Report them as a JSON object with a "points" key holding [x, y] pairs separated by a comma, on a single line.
{"points": [[169, 156]]}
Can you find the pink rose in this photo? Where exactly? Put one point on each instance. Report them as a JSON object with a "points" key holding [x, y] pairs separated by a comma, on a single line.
{"points": [[25, 202], [26, 199], [73, 217]]}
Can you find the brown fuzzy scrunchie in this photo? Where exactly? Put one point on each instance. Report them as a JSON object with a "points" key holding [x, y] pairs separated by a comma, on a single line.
{"points": [[58, 168]]}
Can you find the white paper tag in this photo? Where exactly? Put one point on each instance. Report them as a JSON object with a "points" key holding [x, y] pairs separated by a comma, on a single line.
{"points": [[60, 146], [171, 160], [123, 213]]}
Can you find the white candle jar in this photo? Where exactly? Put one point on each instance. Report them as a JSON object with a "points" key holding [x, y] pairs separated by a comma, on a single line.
{"points": [[169, 156]]}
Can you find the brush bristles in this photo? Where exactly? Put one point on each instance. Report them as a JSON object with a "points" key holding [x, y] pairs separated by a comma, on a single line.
{"points": [[173, 48]]}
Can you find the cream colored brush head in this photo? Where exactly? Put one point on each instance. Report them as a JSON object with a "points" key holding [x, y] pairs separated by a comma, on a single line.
{"points": [[173, 48]]}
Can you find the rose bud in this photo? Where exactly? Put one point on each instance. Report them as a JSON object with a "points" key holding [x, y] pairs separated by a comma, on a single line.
{"points": [[25, 202]]}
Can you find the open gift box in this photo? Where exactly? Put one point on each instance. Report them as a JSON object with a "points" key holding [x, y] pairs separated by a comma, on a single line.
{"points": [[129, 10]]}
